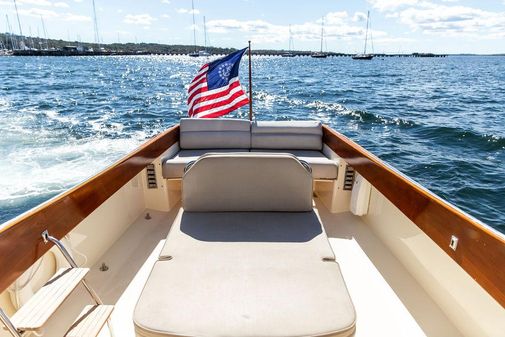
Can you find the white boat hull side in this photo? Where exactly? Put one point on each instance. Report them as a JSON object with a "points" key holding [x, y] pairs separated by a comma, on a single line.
{"points": [[472, 310]]}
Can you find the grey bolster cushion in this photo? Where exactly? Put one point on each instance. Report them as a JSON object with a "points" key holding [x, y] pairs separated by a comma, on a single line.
{"points": [[289, 135], [208, 133]]}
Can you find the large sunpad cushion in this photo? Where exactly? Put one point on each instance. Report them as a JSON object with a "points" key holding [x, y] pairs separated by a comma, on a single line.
{"points": [[257, 182], [287, 135], [210, 133], [245, 274]]}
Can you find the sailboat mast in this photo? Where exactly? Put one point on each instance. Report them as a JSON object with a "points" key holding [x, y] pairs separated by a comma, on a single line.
{"points": [[366, 33], [39, 43], [31, 36], [290, 46], [95, 23], [13, 40], [205, 33], [371, 36], [194, 24], [19, 21], [322, 33], [45, 32]]}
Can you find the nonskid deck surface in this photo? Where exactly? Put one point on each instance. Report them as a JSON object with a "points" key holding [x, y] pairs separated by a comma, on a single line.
{"points": [[387, 299]]}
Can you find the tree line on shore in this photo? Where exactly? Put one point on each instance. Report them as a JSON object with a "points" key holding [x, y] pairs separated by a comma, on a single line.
{"points": [[10, 42]]}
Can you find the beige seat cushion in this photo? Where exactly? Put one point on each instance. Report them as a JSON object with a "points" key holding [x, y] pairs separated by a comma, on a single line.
{"points": [[245, 274], [322, 167], [173, 168]]}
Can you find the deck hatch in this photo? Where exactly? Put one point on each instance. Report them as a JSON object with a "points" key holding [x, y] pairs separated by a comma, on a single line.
{"points": [[349, 178], [151, 176]]}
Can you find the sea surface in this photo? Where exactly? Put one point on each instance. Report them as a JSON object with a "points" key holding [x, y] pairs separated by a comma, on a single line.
{"points": [[441, 121]]}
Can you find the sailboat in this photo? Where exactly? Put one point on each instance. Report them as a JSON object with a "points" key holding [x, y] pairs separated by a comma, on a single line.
{"points": [[204, 52], [195, 53], [289, 53], [365, 56], [320, 54]]}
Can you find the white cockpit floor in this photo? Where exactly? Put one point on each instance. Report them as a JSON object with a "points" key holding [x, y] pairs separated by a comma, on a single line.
{"points": [[388, 300]]}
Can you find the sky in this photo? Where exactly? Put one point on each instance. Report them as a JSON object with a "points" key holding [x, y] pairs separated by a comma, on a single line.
{"points": [[397, 26]]}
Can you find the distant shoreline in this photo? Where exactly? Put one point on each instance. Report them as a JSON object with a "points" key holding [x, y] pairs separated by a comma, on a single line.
{"points": [[34, 46], [280, 53], [274, 53]]}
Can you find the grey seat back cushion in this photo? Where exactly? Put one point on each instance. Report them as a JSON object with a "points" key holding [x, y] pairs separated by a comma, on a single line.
{"points": [[287, 135], [208, 133], [255, 182]]}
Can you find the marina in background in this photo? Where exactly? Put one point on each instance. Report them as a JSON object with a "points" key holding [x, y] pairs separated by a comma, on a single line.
{"points": [[51, 47]]}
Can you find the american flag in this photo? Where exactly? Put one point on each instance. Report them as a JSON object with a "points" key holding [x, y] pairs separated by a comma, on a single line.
{"points": [[216, 90]]}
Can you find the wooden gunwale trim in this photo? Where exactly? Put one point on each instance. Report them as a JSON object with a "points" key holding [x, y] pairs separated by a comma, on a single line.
{"points": [[20, 239], [480, 251]]}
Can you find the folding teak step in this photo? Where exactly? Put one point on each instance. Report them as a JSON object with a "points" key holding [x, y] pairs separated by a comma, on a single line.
{"points": [[90, 321], [35, 313]]}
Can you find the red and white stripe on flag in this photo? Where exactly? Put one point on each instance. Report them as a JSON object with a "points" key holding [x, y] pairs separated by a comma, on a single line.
{"points": [[204, 103]]}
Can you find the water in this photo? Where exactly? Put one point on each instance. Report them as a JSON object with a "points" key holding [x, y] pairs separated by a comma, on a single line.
{"points": [[440, 121]]}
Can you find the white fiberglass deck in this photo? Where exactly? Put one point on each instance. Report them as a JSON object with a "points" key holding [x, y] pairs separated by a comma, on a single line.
{"points": [[388, 300]]}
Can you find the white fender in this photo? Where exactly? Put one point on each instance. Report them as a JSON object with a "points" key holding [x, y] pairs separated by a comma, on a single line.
{"points": [[24, 287]]}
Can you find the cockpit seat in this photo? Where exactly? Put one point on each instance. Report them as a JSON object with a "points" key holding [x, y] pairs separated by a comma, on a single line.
{"points": [[246, 256]]}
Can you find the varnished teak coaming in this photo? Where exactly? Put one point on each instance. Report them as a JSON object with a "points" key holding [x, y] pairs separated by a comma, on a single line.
{"points": [[480, 251]]}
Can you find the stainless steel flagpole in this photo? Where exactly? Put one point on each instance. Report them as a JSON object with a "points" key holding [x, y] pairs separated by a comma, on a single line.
{"points": [[250, 85]]}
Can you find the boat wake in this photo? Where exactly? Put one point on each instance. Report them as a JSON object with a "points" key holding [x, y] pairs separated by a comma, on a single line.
{"points": [[51, 170]]}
